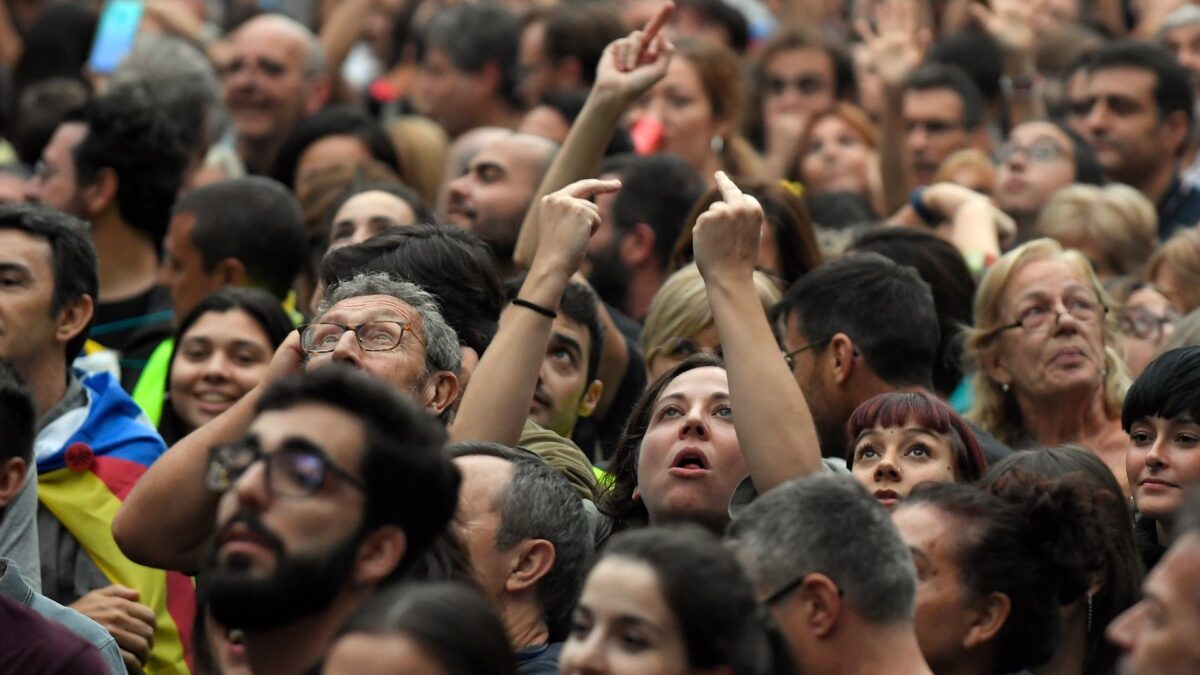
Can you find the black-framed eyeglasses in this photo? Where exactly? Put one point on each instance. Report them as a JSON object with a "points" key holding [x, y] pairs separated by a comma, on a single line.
{"points": [[292, 471], [1144, 324], [790, 357], [372, 336], [1037, 318], [792, 585]]}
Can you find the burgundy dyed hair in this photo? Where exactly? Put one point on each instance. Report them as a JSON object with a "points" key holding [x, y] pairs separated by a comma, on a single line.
{"points": [[896, 408]]}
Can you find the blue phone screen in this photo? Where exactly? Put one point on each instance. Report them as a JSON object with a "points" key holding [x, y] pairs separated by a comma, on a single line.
{"points": [[115, 34]]}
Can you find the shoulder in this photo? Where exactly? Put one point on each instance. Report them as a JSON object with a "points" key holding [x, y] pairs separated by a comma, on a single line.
{"points": [[563, 455]]}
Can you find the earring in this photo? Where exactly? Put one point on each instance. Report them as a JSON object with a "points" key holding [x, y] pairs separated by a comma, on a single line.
{"points": [[717, 144], [1089, 619], [1004, 387]]}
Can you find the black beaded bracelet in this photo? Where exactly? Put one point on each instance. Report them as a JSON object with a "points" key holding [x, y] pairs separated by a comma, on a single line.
{"points": [[548, 313]]}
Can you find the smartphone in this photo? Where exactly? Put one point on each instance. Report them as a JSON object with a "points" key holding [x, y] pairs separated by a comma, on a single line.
{"points": [[114, 36]]}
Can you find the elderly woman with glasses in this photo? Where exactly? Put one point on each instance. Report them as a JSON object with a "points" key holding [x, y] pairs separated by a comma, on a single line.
{"points": [[1049, 371]]}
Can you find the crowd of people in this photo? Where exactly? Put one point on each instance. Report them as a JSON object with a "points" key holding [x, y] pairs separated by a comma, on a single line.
{"points": [[750, 337]]}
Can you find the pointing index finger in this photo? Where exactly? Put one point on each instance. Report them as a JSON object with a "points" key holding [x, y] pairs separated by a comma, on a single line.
{"points": [[657, 22], [590, 187], [729, 190]]}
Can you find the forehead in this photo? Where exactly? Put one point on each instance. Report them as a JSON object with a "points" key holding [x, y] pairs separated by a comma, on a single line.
{"points": [[682, 73], [698, 383], [516, 154], [338, 433], [938, 103], [270, 38], [363, 308], [483, 475], [832, 124], [925, 528], [375, 203], [1124, 82], [26, 249], [233, 323], [65, 138], [1046, 275], [624, 586], [1032, 132], [571, 328], [1177, 576], [800, 59], [1185, 33]]}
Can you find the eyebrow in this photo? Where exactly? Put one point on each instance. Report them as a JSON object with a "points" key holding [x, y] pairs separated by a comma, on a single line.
{"points": [[485, 165], [918, 553], [568, 342], [15, 267], [718, 396]]}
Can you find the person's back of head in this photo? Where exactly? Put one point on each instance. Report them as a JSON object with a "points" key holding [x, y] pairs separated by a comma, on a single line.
{"points": [[253, 220], [713, 19], [977, 54], [17, 420], [449, 623], [943, 268], [657, 190], [453, 265], [38, 111], [333, 121], [408, 481], [181, 82], [886, 309], [582, 30], [539, 503], [826, 526], [128, 135]]}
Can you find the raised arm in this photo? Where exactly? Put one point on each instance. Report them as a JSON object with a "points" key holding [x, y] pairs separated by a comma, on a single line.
{"points": [[497, 401], [773, 423], [1010, 22], [168, 516], [628, 67], [896, 45]]}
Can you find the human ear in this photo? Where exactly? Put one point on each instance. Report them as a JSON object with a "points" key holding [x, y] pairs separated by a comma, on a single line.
{"points": [[12, 479], [73, 318], [379, 555], [990, 614], [821, 603], [530, 562], [843, 350], [441, 391], [591, 397]]}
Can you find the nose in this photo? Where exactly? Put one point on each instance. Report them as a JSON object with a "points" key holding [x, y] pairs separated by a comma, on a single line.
{"points": [[216, 367], [586, 656], [1096, 118], [347, 350], [918, 138], [1123, 631], [32, 190], [887, 471], [250, 489], [1156, 456], [695, 424]]}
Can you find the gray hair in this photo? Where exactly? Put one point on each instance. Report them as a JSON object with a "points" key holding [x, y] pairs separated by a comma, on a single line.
{"points": [[1184, 15], [539, 503], [177, 79], [442, 351], [829, 524]]}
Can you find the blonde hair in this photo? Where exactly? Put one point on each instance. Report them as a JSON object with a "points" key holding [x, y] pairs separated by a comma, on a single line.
{"points": [[421, 148], [1181, 253], [1117, 217], [680, 308], [993, 409]]}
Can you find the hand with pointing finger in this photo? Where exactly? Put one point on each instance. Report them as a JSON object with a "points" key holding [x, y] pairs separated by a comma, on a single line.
{"points": [[726, 236], [632, 64], [566, 221]]}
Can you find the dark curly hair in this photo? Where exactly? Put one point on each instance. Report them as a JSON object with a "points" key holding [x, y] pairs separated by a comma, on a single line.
{"points": [[128, 135], [1038, 542]]}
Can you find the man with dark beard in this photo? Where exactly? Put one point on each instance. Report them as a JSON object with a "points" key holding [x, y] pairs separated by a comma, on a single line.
{"points": [[338, 486], [629, 255]]}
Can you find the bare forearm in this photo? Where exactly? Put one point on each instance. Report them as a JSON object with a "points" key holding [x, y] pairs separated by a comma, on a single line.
{"points": [[578, 158], [892, 167], [341, 30], [1024, 96], [169, 514], [773, 422], [497, 401]]}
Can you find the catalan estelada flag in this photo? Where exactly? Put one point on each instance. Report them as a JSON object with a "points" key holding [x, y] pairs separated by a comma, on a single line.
{"points": [[88, 459]]}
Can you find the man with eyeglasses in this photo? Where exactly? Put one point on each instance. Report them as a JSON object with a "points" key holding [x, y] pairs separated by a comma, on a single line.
{"points": [[1039, 159], [858, 327], [943, 112], [839, 581], [338, 486]]}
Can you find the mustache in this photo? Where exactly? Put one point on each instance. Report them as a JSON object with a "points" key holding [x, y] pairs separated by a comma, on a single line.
{"points": [[254, 524]]}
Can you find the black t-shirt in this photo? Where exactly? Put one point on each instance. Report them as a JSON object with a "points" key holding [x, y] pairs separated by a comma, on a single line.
{"points": [[30, 643], [589, 432], [133, 328]]}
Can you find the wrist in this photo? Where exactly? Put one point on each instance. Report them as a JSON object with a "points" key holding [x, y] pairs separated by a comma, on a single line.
{"points": [[545, 283]]}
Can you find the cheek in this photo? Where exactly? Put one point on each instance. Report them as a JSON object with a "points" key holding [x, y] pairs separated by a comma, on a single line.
{"points": [[183, 375], [1135, 461], [1187, 465], [247, 377]]}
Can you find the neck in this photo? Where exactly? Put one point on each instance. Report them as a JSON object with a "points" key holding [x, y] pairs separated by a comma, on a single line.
{"points": [[128, 260], [1026, 226], [1071, 654], [891, 648], [1164, 533], [300, 645], [1067, 418], [646, 282], [258, 155], [1154, 184], [524, 623], [47, 382]]}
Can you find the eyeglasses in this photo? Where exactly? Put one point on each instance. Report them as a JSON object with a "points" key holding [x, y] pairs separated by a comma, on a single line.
{"points": [[792, 585], [43, 172], [932, 127], [682, 348], [1038, 153], [1144, 324], [290, 471], [809, 85], [373, 336], [790, 357], [1038, 317]]}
